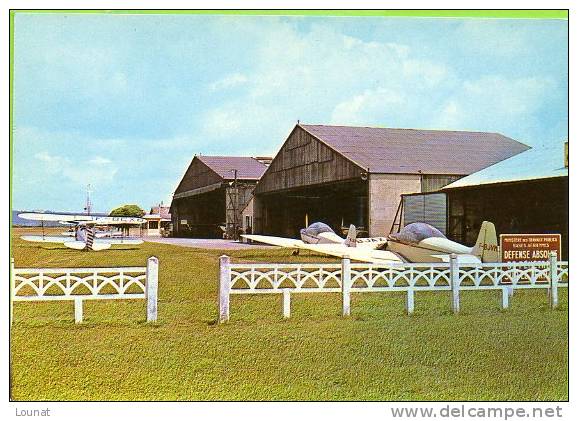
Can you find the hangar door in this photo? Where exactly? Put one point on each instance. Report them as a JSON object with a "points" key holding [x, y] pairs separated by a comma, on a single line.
{"points": [[429, 208]]}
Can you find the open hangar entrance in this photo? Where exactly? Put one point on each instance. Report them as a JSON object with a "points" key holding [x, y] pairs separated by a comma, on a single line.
{"points": [[200, 215], [337, 204], [344, 175], [212, 194]]}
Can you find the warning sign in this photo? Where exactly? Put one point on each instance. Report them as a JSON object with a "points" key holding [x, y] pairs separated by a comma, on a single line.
{"points": [[529, 247]]}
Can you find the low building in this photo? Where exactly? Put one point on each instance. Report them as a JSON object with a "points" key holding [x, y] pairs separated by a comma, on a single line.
{"points": [[212, 193], [524, 194], [158, 221], [527, 193], [355, 175]]}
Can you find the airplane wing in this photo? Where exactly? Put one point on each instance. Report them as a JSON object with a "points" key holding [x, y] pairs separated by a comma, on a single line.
{"points": [[114, 220], [355, 253], [71, 243], [120, 220], [276, 241], [463, 259], [117, 241], [82, 219], [54, 217], [81, 245], [372, 242], [362, 254], [46, 238]]}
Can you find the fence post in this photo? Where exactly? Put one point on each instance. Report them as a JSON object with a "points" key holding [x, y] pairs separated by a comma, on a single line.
{"points": [[346, 285], [409, 301], [224, 288], [286, 303], [12, 289], [78, 310], [553, 279], [152, 287], [505, 297], [455, 282]]}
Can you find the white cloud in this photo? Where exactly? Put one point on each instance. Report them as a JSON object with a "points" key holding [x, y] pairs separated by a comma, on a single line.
{"points": [[99, 160], [228, 82], [96, 171], [223, 122], [322, 76], [54, 168], [367, 107], [487, 36], [494, 103]]}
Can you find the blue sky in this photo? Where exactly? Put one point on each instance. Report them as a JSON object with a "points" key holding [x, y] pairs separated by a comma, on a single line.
{"points": [[124, 102]]}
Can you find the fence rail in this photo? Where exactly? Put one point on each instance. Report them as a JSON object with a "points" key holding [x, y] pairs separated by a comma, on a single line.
{"points": [[79, 284], [347, 278]]}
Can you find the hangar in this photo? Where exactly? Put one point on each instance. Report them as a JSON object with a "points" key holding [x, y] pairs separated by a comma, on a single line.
{"points": [[527, 193], [345, 175], [214, 189]]}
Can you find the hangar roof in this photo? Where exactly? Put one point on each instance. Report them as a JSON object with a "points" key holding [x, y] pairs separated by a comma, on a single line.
{"points": [[248, 168], [409, 151], [541, 162]]}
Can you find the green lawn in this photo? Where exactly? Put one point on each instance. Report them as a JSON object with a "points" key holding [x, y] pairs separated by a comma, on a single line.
{"points": [[378, 353]]}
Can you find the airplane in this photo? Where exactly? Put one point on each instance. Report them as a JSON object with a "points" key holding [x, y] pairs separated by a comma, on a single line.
{"points": [[421, 242], [415, 243], [320, 238], [85, 236]]}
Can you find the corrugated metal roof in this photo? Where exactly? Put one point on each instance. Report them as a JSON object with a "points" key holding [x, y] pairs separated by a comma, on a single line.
{"points": [[537, 163], [248, 168], [409, 151]]}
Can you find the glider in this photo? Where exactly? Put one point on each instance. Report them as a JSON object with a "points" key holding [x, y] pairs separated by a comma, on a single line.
{"points": [[417, 242], [420, 242], [320, 238]]}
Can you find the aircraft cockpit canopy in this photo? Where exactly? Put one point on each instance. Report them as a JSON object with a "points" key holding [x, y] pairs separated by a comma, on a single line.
{"points": [[416, 232], [315, 229]]}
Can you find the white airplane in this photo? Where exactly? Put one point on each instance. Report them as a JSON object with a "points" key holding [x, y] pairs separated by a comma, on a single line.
{"points": [[85, 235], [420, 242], [414, 243], [320, 238]]}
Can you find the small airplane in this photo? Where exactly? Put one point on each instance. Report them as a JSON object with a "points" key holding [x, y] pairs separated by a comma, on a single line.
{"points": [[320, 238], [420, 242], [85, 236], [417, 242]]}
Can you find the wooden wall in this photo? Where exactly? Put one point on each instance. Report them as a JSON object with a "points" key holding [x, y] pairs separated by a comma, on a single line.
{"points": [[197, 175], [305, 161]]}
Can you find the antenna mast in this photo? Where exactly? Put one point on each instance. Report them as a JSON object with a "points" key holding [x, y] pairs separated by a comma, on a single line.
{"points": [[88, 207]]}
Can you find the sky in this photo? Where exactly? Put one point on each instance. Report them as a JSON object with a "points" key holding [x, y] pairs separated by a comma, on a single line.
{"points": [[124, 102]]}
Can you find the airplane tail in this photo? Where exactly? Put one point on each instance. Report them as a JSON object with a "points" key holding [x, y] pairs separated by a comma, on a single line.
{"points": [[351, 236], [486, 247]]}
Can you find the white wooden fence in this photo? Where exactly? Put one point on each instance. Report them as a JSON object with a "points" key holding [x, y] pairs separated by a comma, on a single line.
{"points": [[79, 284], [347, 278]]}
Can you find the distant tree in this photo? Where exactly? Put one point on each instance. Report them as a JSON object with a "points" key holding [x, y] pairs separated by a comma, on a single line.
{"points": [[128, 210]]}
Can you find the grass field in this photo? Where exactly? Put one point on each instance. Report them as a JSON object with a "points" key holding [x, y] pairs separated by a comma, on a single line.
{"points": [[378, 353]]}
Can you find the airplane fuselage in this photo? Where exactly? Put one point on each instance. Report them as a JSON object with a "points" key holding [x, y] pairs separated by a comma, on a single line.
{"points": [[428, 250]]}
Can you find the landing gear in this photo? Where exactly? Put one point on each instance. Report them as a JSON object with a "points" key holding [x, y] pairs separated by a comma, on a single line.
{"points": [[295, 252]]}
